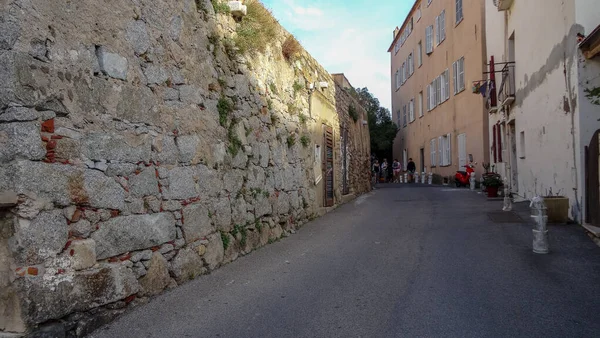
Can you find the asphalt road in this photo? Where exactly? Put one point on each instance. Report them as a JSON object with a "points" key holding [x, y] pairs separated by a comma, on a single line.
{"points": [[399, 262]]}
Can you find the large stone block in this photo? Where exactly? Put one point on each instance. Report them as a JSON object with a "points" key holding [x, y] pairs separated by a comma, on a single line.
{"points": [[130, 233], [157, 277], [165, 150], [10, 28], [20, 140], [256, 178], [283, 203], [238, 211], [192, 94], [156, 74], [233, 180], [187, 265], [214, 251], [262, 206], [122, 148], [196, 223], [144, 183], [111, 64], [102, 191], [138, 105], [188, 147], [223, 214], [19, 114], [137, 35], [43, 237], [82, 254], [210, 182], [54, 297], [182, 184]]}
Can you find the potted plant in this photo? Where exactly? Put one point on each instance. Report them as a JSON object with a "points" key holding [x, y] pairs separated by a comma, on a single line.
{"points": [[557, 207], [492, 184]]}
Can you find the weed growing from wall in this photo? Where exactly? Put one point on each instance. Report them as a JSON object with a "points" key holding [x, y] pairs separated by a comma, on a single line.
{"points": [[225, 240], [593, 95], [220, 8], [257, 29], [234, 142], [297, 87], [291, 48], [303, 118], [224, 107], [353, 113], [305, 141], [291, 140]]}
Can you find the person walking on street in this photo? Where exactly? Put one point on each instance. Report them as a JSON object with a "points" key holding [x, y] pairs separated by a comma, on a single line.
{"points": [[411, 167], [384, 168], [376, 171], [396, 168]]}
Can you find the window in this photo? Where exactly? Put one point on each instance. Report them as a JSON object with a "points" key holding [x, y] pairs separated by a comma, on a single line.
{"points": [[419, 54], [411, 64], [420, 104], [445, 95], [440, 30], [397, 77], [429, 2], [396, 47], [438, 90], [447, 149], [432, 102], [404, 123], [418, 15], [462, 151], [404, 77], [441, 148], [432, 152], [411, 110], [459, 11], [429, 39], [522, 144], [399, 118], [458, 69], [428, 92]]}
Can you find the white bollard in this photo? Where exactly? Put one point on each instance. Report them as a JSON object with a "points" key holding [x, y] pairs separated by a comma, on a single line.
{"points": [[400, 179], [540, 231], [472, 181], [423, 177], [430, 181], [405, 178], [416, 177], [507, 200]]}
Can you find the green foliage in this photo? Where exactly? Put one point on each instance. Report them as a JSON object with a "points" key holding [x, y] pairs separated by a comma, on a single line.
{"points": [[225, 240], [305, 141], [220, 8], [222, 83], [291, 140], [270, 104], [273, 88], [200, 5], [290, 48], [240, 229], [292, 108], [303, 118], [256, 30], [213, 38], [381, 128], [353, 113], [274, 118], [234, 142], [230, 47], [224, 107], [593, 95], [258, 225], [297, 87], [304, 202]]}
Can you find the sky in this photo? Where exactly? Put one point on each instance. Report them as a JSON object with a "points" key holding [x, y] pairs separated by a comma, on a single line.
{"points": [[350, 37]]}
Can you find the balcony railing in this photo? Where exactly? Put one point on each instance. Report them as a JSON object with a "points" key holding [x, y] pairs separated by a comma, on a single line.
{"points": [[506, 95]]}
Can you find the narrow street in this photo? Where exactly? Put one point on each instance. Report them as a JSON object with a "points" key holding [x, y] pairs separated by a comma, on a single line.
{"points": [[400, 262]]}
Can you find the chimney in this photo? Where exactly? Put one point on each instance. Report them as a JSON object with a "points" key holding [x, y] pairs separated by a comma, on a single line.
{"points": [[396, 31]]}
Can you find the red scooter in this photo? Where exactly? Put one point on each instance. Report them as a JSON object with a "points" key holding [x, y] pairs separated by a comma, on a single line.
{"points": [[462, 178]]}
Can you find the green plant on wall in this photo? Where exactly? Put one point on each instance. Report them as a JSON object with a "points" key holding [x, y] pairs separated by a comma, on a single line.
{"points": [[220, 8], [257, 29], [292, 109], [234, 142], [291, 140], [593, 95], [305, 141], [297, 87], [303, 118], [224, 107], [225, 240], [273, 88], [353, 113]]}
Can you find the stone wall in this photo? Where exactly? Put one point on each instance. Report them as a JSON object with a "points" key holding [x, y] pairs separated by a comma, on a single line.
{"points": [[137, 152]]}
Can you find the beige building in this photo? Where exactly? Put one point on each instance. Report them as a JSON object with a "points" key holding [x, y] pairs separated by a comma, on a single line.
{"points": [[435, 56], [544, 112]]}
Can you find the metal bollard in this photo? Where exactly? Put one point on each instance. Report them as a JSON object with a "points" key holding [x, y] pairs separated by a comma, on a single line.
{"points": [[540, 231], [416, 177], [400, 179], [423, 177], [430, 180], [507, 200], [405, 178]]}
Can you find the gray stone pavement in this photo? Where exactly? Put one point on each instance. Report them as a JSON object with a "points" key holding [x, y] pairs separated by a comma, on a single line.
{"points": [[403, 261]]}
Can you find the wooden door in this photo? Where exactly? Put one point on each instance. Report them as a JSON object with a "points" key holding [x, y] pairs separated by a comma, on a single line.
{"points": [[592, 181], [328, 166]]}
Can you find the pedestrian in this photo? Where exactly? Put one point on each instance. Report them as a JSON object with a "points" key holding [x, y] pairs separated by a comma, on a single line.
{"points": [[375, 170], [384, 168], [411, 168], [396, 168]]}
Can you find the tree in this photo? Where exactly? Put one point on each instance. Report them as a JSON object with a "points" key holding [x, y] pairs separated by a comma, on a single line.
{"points": [[381, 128]]}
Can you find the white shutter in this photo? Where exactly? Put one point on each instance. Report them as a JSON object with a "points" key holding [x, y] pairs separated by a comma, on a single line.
{"points": [[462, 151], [438, 86], [461, 73], [432, 152], [443, 26], [440, 151], [420, 104], [455, 77], [437, 30], [447, 84], [449, 149]]}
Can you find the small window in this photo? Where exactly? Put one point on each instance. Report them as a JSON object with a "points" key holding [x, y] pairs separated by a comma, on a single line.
{"points": [[420, 104], [458, 70], [429, 2], [432, 152], [419, 54], [459, 11], [404, 119], [411, 110], [418, 14], [440, 29], [522, 145], [429, 39]]}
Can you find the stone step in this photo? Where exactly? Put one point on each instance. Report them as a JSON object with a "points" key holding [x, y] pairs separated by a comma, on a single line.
{"points": [[593, 232]]}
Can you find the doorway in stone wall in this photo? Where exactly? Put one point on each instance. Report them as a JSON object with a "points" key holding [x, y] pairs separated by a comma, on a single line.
{"points": [[422, 159], [592, 181], [328, 165]]}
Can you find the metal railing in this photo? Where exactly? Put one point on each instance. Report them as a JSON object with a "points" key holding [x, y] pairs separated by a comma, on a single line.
{"points": [[506, 95]]}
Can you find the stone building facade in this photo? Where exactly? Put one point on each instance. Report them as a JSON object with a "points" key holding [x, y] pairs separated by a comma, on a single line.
{"points": [[139, 150], [435, 55]]}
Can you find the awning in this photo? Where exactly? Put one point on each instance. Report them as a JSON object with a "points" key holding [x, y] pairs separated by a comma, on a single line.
{"points": [[590, 46]]}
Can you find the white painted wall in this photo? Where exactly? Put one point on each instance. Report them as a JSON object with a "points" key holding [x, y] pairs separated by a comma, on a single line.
{"points": [[542, 39]]}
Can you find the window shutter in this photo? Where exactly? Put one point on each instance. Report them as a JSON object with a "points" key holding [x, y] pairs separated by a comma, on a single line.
{"points": [[432, 152], [461, 74], [437, 30], [447, 83], [494, 138], [499, 143], [440, 151], [449, 149], [443, 26]]}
